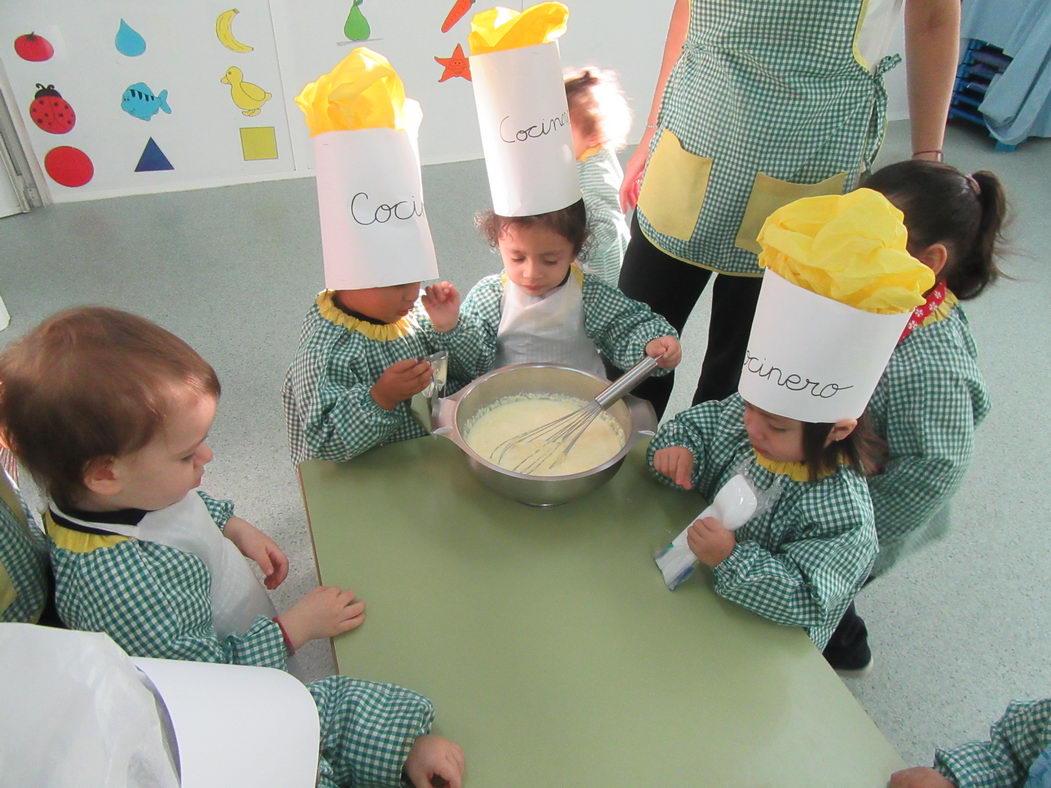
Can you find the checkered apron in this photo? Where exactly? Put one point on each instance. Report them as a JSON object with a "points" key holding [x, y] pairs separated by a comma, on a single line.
{"points": [[768, 102]]}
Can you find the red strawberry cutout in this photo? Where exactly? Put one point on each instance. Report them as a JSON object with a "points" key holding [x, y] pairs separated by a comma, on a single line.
{"points": [[51, 112]]}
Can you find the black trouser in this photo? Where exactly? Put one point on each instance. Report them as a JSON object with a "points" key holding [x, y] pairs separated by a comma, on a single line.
{"points": [[671, 288]]}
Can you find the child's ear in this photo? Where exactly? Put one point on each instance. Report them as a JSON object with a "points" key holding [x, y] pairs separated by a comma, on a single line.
{"points": [[934, 257], [840, 430], [102, 476]]}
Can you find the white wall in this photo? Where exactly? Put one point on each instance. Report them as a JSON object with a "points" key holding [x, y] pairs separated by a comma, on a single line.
{"points": [[294, 41]]}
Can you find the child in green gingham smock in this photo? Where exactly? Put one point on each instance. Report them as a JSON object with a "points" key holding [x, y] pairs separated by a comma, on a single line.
{"points": [[926, 407], [801, 562], [329, 410], [600, 177], [1017, 755], [154, 601], [23, 559], [619, 326]]}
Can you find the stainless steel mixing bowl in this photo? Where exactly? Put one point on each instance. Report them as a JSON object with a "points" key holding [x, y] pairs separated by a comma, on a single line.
{"points": [[635, 416]]}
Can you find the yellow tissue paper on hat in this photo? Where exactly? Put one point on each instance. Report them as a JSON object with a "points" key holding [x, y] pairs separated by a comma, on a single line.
{"points": [[503, 28], [847, 247], [362, 92]]}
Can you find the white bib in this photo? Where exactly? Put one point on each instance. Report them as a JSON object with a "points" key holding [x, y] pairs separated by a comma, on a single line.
{"points": [[238, 598], [547, 328]]}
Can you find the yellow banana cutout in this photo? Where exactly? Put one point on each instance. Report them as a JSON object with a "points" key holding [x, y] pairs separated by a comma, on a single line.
{"points": [[225, 35]]}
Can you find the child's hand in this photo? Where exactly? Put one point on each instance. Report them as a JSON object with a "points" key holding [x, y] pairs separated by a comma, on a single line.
{"points": [[325, 612], [675, 462], [919, 777], [433, 756], [671, 349], [400, 381], [257, 546], [442, 302], [710, 541]]}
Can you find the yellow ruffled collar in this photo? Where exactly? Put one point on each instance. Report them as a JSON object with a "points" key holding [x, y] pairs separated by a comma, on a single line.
{"points": [[574, 269], [382, 332], [796, 471], [589, 153], [942, 310]]}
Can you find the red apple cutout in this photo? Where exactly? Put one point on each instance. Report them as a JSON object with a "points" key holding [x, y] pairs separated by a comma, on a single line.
{"points": [[33, 47]]}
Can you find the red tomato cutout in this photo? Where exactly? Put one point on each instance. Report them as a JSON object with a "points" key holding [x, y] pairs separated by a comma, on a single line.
{"points": [[69, 166], [33, 48]]}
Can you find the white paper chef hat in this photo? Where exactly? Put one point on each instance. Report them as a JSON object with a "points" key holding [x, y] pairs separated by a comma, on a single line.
{"points": [[838, 289], [374, 229], [523, 114], [79, 711]]}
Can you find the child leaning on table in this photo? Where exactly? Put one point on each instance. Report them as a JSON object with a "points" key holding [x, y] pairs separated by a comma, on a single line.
{"points": [[1017, 755], [110, 413], [838, 289], [543, 308]]}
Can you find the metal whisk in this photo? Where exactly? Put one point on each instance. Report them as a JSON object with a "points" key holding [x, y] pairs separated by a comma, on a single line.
{"points": [[548, 444]]}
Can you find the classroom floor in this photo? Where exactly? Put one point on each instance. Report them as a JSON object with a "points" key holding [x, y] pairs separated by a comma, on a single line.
{"points": [[957, 630]]}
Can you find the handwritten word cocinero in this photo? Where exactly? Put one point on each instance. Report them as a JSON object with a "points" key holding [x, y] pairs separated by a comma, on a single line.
{"points": [[792, 381], [403, 210], [535, 131]]}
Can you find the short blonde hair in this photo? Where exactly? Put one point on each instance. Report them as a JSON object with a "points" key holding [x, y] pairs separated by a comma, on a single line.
{"points": [[597, 105]]}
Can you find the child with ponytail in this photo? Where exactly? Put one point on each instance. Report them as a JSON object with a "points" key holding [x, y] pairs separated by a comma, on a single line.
{"points": [[932, 396]]}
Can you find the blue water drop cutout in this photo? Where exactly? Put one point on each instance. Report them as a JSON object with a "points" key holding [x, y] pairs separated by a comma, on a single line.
{"points": [[128, 41]]}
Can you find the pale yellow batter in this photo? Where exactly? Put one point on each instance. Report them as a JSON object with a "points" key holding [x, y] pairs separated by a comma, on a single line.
{"points": [[511, 416]]}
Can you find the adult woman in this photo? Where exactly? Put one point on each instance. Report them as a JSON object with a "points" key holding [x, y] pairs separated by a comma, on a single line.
{"points": [[756, 105]]}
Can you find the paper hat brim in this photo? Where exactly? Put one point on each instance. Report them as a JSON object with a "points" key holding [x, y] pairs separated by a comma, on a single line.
{"points": [[374, 229], [230, 720], [523, 118], [812, 358]]}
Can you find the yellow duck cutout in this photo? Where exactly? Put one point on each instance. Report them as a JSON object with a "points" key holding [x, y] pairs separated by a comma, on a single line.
{"points": [[246, 95]]}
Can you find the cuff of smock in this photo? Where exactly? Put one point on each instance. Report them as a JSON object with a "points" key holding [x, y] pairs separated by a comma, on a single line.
{"points": [[221, 509], [734, 566], [376, 413]]}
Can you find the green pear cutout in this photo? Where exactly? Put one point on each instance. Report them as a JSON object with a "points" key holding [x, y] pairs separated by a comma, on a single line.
{"points": [[356, 27]]}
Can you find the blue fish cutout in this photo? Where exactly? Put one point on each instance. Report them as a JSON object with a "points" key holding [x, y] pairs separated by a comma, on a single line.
{"points": [[138, 101]]}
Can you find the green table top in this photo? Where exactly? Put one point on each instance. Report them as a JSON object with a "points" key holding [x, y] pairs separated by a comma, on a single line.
{"points": [[550, 646]]}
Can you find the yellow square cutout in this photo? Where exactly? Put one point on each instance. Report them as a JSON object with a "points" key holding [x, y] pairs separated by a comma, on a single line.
{"points": [[259, 142]]}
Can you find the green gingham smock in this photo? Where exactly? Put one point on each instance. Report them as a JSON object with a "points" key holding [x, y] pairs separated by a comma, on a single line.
{"points": [[23, 559], [329, 410], [768, 102], [1016, 740], [801, 562], [926, 407], [154, 601], [600, 176], [620, 327]]}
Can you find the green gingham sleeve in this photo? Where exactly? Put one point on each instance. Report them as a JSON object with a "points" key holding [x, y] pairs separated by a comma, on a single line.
{"points": [[154, 601], [1015, 741], [812, 574], [367, 730], [220, 509], [926, 408], [472, 343], [608, 235], [23, 563], [621, 327], [711, 432]]}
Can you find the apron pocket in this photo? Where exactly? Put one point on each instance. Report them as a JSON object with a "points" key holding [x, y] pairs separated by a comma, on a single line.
{"points": [[769, 194], [674, 187]]}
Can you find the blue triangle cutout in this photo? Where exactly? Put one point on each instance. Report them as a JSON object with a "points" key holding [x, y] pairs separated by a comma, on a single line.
{"points": [[152, 159]]}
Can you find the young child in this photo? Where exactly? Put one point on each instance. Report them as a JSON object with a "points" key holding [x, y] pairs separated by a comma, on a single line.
{"points": [[110, 413], [600, 119], [1017, 755], [833, 303], [932, 396], [359, 360], [24, 581], [544, 308]]}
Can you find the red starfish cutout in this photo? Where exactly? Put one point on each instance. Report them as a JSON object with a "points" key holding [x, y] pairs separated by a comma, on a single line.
{"points": [[456, 65]]}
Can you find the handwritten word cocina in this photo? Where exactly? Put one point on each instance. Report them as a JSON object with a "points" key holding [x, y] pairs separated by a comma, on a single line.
{"points": [[790, 381], [535, 131], [364, 214]]}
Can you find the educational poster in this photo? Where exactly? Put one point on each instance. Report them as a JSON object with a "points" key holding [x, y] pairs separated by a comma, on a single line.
{"points": [[138, 98], [132, 98]]}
